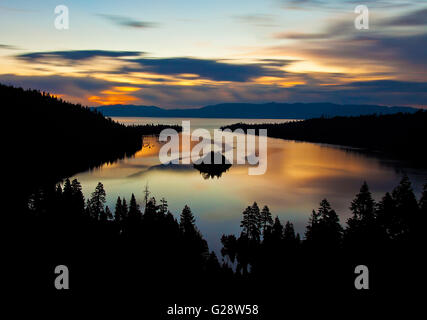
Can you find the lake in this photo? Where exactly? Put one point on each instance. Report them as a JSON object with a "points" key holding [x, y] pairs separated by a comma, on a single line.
{"points": [[299, 175]]}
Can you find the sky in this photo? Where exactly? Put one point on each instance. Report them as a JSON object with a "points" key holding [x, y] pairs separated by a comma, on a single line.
{"points": [[184, 54]]}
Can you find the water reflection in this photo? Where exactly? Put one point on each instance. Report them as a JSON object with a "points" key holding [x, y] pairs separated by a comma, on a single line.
{"points": [[298, 176]]}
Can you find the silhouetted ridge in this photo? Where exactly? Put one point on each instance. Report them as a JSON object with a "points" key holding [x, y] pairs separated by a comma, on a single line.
{"points": [[53, 139], [270, 110], [401, 135]]}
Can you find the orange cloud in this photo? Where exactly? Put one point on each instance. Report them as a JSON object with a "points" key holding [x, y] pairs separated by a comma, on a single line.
{"points": [[112, 99]]}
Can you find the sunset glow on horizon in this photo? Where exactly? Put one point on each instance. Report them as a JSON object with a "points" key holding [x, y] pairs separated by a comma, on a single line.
{"points": [[178, 54]]}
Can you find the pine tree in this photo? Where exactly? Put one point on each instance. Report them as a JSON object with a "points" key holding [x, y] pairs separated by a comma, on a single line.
{"points": [[77, 196], [289, 233], [118, 217], [151, 207], [134, 211], [362, 225], [97, 201], [67, 200], [277, 230], [324, 228], [331, 228], [386, 215], [266, 219], [108, 213], [67, 191], [313, 226], [406, 213], [103, 216], [363, 206], [146, 195], [229, 247], [245, 223], [251, 222], [125, 210], [187, 221]]}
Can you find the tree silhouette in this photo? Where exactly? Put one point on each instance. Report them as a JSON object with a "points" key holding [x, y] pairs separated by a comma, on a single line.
{"points": [[187, 221], [97, 201], [146, 195], [379, 133], [266, 219], [324, 229], [151, 207], [277, 230], [155, 241], [386, 216], [78, 198], [251, 222], [362, 226], [312, 227], [125, 210], [134, 214], [406, 210], [229, 247], [289, 236], [118, 215], [106, 215]]}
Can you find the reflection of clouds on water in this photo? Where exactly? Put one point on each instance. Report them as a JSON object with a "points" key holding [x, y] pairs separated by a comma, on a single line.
{"points": [[299, 175], [163, 167]]}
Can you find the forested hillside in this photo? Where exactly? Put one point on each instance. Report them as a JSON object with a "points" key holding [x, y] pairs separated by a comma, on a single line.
{"points": [[401, 135], [48, 139]]}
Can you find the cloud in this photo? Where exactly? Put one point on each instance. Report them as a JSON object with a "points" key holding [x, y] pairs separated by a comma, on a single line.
{"points": [[207, 69], [403, 55], [339, 44], [301, 35], [74, 55], [93, 91], [11, 9], [259, 20], [337, 28], [383, 92], [415, 18], [75, 89], [340, 4], [385, 86], [128, 22], [8, 47], [277, 62], [132, 61]]}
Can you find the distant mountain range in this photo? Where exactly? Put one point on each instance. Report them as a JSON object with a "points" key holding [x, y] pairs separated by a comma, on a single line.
{"points": [[253, 111]]}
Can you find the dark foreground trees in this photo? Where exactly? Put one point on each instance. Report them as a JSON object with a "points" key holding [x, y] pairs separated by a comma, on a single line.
{"points": [[108, 250], [52, 139], [145, 246], [387, 237]]}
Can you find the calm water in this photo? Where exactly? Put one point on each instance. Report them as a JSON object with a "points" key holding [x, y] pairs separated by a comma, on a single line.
{"points": [[298, 177]]}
